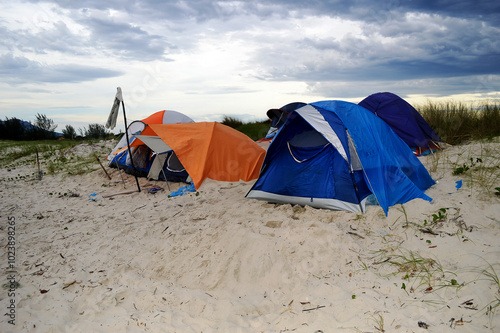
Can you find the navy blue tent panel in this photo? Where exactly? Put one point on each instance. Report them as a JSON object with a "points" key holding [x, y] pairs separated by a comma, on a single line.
{"points": [[335, 154], [143, 160], [279, 116], [403, 118]]}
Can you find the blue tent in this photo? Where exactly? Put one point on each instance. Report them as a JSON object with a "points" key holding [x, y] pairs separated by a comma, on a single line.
{"points": [[403, 118], [335, 154]]}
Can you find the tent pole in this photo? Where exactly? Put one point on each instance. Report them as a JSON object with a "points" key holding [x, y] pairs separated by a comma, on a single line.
{"points": [[128, 147], [164, 176], [120, 171]]}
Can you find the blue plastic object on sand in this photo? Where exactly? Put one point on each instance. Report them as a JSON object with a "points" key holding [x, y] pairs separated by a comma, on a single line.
{"points": [[183, 190]]}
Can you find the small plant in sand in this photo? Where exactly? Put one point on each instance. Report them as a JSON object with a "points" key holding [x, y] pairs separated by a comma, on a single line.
{"points": [[445, 221], [497, 191], [460, 170], [481, 170], [379, 322], [489, 274], [415, 270]]}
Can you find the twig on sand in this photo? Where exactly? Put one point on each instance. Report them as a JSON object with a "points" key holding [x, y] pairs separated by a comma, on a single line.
{"points": [[355, 234], [139, 207], [107, 174], [66, 285], [312, 309], [112, 195]]}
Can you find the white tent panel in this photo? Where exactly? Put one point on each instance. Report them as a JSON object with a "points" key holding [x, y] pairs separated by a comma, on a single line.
{"points": [[155, 143], [313, 117], [157, 166]]}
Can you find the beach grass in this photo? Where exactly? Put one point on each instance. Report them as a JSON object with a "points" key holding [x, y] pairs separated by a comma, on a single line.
{"points": [[454, 121], [11, 151], [457, 122], [255, 130], [54, 156]]}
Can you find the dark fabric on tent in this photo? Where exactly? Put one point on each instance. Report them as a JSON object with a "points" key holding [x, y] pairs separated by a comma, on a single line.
{"points": [[279, 116], [143, 159], [403, 118]]}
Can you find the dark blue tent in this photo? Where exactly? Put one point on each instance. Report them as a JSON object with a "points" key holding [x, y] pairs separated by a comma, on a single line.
{"points": [[404, 119], [335, 154], [279, 116]]}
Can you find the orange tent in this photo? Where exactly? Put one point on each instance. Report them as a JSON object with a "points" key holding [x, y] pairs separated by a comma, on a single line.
{"points": [[160, 117], [211, 150]]}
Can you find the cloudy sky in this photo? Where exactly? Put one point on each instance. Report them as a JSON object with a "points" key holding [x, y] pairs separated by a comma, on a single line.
{"points": [[207, 58]]}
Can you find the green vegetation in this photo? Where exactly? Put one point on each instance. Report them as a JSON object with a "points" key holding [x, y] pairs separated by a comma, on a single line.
{"points": [[14, 150], [414, 270], [69, 132], [231, 122], [95, 131], [55, 156], [478, 165], [17, 129], [255, 130], [46, 125], [456, 122]]}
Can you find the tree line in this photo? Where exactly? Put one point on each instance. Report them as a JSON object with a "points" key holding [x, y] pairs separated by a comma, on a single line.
{"points": [[44, 128]]}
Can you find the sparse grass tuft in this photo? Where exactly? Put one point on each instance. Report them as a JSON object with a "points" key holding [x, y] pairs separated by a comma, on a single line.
{"points": [[55, 156], [415, 270], [490, 274], [480, 166]]}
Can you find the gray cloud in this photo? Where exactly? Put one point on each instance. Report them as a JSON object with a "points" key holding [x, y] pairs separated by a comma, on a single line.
{"points": [[124, 40], [437, 87], [365, 10], [17, 70], [435, 48], [428, 46]]}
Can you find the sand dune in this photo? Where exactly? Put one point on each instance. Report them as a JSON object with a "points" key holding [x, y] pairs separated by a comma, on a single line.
{"points": [[214, 261]]}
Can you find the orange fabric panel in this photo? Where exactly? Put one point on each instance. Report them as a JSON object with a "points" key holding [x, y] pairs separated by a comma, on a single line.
{"points": [[155, 118], [146, 131], [212, 150]]}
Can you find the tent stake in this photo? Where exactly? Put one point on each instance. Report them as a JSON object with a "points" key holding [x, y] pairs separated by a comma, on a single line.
{"points": [[97, 158], [40, 173], [121, 175]]}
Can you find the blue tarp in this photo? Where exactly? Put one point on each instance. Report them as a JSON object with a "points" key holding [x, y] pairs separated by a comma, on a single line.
{"points": [[183, 190]]}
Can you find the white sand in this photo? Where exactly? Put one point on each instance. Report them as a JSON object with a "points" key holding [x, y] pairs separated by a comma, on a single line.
{"points": [[218, 262]]}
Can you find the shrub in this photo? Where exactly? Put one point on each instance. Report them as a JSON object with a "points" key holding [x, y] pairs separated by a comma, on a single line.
{"points": [[95, 131], [231, 122], [69, 132]]}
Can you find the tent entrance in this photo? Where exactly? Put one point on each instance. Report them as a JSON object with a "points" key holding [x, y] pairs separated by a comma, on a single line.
{"points": [[166, 165], [306, 146]]}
